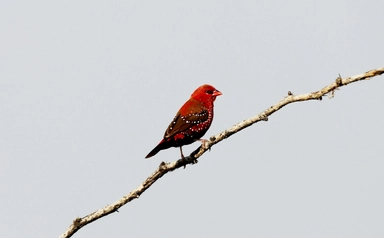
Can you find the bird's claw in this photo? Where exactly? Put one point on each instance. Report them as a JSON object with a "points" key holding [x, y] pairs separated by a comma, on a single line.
{"points": [[187, 160], [205, 144]]}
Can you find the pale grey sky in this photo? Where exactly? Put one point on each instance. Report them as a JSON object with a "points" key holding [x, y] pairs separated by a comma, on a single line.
{"points": [[87, 89]]}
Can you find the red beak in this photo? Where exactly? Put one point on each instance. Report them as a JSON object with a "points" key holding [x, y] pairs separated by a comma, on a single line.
{"points": [[217, 93]]}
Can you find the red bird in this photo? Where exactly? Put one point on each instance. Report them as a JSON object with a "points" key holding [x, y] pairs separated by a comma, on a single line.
{"points": [[191, 122]]}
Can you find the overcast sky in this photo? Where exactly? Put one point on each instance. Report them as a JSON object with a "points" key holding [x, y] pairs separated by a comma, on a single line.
{"points": [[87, 89]]}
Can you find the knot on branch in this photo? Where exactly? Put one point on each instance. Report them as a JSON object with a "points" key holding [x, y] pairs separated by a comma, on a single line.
{"points": [[264, 117], [76, 222], [162, 166], [339, 81]]}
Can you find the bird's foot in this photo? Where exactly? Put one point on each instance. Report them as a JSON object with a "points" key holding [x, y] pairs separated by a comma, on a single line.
{"points": [[194, 161], [186, 160], [205, 144]]}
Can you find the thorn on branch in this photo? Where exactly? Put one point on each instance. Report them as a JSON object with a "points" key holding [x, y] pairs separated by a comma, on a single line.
{"points": [[339, 81]]}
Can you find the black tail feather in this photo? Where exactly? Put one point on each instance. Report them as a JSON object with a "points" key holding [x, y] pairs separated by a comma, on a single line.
{"points": [[161, 146], [153, 152]]}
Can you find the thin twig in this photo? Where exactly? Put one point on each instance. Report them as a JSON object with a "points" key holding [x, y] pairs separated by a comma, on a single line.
{"points": [[164, 168]]}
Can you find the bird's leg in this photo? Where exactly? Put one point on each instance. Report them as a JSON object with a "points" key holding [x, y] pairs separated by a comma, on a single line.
{"points": [[204, 144], [181, 152], [182, 156]]}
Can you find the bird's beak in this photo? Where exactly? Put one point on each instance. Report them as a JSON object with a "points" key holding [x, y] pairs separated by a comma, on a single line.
{"points": [[216, 93]]}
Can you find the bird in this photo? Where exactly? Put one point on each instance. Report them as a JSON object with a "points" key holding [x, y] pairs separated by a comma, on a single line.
{"points": [[191, 122]]}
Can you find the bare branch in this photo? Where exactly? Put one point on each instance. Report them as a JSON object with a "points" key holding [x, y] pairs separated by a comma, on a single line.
{"points": [[164, 168]]}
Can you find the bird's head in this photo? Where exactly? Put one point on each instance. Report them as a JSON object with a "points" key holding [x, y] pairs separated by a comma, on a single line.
{"points": [[206, 93]]}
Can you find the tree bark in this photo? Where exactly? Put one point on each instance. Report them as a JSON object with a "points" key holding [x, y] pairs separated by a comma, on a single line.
{"points": [[164, 168]]}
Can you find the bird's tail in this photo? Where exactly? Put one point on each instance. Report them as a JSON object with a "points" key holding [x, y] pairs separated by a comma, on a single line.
{"points": [[161, 146]]}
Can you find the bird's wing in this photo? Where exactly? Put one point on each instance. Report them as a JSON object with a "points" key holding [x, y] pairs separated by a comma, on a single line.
{"points": [[182, 123]]}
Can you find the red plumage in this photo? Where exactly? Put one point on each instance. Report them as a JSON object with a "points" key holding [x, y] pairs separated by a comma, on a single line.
{"points": [[191, 122]]}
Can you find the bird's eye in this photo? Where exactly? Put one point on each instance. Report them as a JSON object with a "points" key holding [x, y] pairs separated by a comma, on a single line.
{"points": [[209, 91]]}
